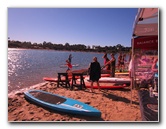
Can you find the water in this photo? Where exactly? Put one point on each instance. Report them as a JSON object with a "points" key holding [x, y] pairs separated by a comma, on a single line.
{"points": [[27, 67]]}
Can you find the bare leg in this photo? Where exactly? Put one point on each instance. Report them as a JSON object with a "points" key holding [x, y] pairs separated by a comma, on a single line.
{"points": [[122, 68], [91, 86], [119, 67], [98, 85], [67, 70]]}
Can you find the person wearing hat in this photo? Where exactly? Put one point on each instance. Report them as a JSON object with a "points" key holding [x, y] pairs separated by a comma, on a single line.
{"points": [[69, 58], [69, 66]]}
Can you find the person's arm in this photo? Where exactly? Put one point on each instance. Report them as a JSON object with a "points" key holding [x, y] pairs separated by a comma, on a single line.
{"points": [[130, 68], [107, 63], [154, 69], [89, 68]]}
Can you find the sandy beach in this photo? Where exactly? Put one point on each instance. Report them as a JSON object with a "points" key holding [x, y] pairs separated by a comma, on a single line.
{"points": [[114, 105]]}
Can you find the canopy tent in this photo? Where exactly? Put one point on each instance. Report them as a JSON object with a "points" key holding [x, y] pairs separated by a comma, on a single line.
{"points": [[145, 29], [144, 53], [144, 37], [146, 22]]}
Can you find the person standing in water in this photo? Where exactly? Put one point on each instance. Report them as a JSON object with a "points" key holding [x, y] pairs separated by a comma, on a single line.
{"points": [[69, 58], [95, 72], [69, 66]]}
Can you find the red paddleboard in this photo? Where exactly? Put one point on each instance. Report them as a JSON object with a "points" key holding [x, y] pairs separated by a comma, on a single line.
{"points": [[56, 79], [102, 75], [111, 80], [50, 79], [105, 75], [108, 87]]}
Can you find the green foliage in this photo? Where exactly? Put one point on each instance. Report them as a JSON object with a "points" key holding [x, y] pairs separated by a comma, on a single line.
{"points": [[67, 46]]}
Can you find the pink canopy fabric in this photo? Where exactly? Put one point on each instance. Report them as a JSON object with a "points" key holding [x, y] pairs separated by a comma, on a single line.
{"points": [[146, 43], [145, 29], [145, 37], [146, 22]]}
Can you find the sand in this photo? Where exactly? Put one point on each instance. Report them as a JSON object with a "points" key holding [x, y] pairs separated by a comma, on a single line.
{"points": [[114, 105]]}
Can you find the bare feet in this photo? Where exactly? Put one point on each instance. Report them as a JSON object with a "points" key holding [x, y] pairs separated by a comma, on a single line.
{"points": [[91, 90]]}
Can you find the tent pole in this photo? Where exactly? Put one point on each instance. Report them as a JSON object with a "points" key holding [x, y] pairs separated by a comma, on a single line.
{"points": [[132, 71]]}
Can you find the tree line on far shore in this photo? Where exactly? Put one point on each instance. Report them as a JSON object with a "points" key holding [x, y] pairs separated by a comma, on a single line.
{"points": [[68, 47]]}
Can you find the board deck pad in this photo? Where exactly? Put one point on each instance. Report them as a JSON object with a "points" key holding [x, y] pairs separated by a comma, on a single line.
{"points": [[48, 97]]}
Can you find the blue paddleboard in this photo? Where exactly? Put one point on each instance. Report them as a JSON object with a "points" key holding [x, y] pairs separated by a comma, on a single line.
{"points": [[61, 103]]}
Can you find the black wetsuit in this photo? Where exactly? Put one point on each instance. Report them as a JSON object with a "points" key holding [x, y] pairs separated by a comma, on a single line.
{"points": [[95, 71]]}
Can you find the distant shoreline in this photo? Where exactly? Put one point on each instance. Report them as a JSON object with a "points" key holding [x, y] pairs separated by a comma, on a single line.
{"points": [[59, 50], [69, 47]]}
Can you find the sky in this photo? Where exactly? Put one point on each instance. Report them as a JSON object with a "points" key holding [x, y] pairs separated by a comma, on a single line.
{"points": [[88, 26]]}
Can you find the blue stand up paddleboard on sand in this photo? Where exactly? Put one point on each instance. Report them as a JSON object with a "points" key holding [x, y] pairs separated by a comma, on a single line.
{"points": [[61, 103]]}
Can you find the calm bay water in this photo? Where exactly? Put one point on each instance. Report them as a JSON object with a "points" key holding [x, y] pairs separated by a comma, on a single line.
{"points": [[27, 67]]}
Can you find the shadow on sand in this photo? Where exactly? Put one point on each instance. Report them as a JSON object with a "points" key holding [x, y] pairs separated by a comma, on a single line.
{"points": [[119, 98]]}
